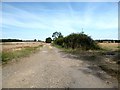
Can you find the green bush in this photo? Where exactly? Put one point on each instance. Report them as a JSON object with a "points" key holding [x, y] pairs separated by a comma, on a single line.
{"points": [[59, 41], [77, 40], [48, 40]]}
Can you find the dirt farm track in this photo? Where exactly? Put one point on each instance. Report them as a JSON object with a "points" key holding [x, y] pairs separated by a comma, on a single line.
{"points": [[51, 68]]}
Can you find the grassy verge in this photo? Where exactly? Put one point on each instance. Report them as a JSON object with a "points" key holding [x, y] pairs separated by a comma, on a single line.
{"points": [[8, 56]]}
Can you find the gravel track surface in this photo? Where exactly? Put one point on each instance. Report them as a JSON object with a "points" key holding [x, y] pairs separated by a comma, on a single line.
{"points": [[49, 68]]}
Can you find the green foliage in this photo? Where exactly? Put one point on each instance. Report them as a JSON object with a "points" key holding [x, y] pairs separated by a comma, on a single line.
{"points": [[35, 40], [57, 35], [59, 41], [48, 40], [77, 40]]}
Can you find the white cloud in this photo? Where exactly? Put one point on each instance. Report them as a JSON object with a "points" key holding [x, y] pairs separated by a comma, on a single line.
{"points": [[65, 22]]}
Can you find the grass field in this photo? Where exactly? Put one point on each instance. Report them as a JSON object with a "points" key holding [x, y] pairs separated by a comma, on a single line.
{"points": [[109, 46], [15, 50], [13, 46]]}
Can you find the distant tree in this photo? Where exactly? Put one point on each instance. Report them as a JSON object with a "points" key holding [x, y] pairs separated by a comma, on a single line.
{"points": [[57, 35], [39, 41], [48, 40], [35, 40]]}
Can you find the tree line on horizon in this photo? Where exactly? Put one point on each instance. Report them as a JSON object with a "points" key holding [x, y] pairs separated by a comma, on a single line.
{"points": [[49, 39], [18, 40]]}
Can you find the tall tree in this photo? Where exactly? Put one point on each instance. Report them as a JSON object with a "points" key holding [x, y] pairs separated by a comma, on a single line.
{"points": [[57, 35]]}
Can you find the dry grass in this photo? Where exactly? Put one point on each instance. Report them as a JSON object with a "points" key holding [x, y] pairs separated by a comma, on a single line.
{"points": [[15, 50], [16, 46], [109, 46]]}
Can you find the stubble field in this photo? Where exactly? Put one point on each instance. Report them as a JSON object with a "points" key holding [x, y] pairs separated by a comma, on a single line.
{"points": [[16, 50], [13, 46], [109, 46]]}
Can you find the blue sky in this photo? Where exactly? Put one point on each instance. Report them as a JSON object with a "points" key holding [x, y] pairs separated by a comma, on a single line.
{"points": [[25, 20]]}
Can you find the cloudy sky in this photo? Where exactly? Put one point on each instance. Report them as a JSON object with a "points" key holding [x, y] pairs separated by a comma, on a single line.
{"points": [[25, 20]]}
